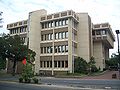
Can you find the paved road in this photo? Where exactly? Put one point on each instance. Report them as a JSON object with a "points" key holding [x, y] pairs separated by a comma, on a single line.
{"points": [[95, 84], [22, 86]]}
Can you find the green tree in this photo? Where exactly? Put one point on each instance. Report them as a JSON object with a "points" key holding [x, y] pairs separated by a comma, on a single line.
{"points": [[14, 49], [2, 51], [91, 65], [80, 65], [113, 61]]}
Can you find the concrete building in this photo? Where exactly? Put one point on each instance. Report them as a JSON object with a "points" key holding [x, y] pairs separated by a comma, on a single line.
{"points": [[59, 38]]}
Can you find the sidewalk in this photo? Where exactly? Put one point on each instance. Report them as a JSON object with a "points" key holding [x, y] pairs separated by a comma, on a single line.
{"points": [[106, 75]]}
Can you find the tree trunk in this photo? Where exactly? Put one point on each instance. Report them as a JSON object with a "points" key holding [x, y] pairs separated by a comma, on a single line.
{"points": [[14, 67]]}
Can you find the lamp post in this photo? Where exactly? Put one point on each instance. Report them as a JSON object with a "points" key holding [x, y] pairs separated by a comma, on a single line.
{"points": [[118, 32]]}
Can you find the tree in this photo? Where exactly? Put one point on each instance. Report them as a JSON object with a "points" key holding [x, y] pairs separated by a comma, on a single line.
{"points": [[14, 49], [2, 50], [113, 61], [91, 65], [80, 65]]}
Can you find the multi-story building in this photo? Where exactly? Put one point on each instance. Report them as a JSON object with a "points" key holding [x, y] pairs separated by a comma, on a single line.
{"points": [[19, 28], [103, 40], [59, 38]]}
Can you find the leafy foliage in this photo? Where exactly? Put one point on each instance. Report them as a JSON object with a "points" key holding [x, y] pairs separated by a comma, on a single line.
{"points": [[14, 49], [91, 65], [27, 72], [80, 65], [113, 61]]}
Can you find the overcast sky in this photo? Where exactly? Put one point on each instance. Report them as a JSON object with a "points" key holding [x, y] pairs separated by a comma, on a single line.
{"points": [[99, 10]]}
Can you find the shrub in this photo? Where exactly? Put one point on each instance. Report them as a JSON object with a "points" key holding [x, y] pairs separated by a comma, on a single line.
{"points": [[21, 80], [35, 80], [27, 80], [94, 68]]}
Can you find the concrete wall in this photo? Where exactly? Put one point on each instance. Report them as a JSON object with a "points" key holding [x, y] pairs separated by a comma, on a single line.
{"points": [[34, 34], [84, 37], [98, 54]]}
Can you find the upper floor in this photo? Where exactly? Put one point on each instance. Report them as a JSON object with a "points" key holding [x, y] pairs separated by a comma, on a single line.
{"points": [[103, 32]]}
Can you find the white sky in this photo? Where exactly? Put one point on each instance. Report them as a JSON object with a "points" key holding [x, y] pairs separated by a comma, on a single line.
{"points": [[99, 10]]}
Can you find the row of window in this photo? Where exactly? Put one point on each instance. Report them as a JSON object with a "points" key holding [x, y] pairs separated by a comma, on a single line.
{"points": [[57, 64], [60, 35], [99, 32], [23, 38], [56, 23], [18, 30], [57, 49]]}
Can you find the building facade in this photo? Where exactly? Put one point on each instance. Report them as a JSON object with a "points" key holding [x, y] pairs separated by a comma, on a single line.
{"points": [[59, 38]]}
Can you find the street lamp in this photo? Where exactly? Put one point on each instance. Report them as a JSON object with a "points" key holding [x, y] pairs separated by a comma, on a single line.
{"points": [[118, 32]]}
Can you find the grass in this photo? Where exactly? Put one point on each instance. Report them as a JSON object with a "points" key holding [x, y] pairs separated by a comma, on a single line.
{"points": [[96, 73], [3, 73]]}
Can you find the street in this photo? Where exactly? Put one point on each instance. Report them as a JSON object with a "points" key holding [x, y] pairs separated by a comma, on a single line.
{"points": [[94, 84], [52, 83], [4, 85]]}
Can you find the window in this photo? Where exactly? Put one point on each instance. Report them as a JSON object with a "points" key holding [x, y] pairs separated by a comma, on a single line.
{"points": [[66, 34], [62, 64], [48, 49], [20, 30], [56, 35], [41, 64], [52, 24], [50, 63], [59, 49], [66, 48], [62, 48], [42, 25], [66, 64], [51, 49], [58, 63], [49, 24], [55, 49], [66, 22], [59, 35], [103, 32], [56, 23], [41, 37], [44, 49], [45, 24], [55, 63], [98, 32], [47, 63], [49, 37], [63, 22], [44, 64], [41, 49], [93, 32], [60, 23], [10, 31], [45, 37], [63, 35]]}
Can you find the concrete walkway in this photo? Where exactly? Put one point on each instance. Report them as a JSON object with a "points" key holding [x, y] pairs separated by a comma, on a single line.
{"points": [[106, 75]]}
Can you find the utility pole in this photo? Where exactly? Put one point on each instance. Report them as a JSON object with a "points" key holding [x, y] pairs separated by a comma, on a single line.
{"points": [[118, 32]]}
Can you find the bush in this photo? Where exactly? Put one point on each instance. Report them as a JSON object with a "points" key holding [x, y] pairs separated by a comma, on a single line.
{"points": [[21, 80], [35, 80], [27, 80], [94, 68], [27, 73]]}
